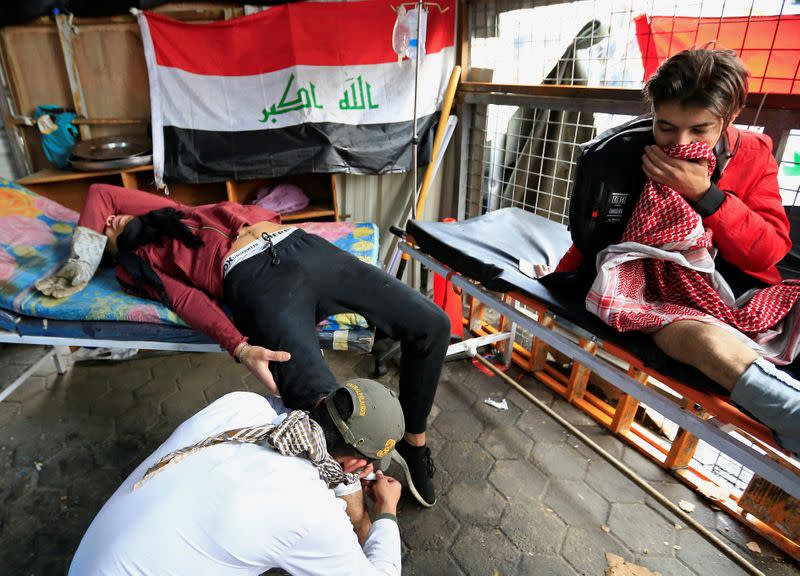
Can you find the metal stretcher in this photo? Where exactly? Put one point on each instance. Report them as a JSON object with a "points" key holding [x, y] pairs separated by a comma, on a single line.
{"points": [[487, 258], [35, 237]]}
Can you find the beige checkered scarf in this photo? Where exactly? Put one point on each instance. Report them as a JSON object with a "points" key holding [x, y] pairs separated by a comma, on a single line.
{"points": [[297, 435]]}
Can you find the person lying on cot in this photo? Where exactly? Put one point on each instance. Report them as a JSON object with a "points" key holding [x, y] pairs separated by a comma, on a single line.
{"points": [[240, 489], [278, 281], [710, 191]]}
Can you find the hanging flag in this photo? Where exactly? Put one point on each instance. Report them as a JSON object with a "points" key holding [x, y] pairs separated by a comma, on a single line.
{"points": [[768, 45], [297, 88]]}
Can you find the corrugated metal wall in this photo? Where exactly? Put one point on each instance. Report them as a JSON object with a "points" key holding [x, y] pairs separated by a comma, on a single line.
{"points": [[7, 167], [380, 199]]}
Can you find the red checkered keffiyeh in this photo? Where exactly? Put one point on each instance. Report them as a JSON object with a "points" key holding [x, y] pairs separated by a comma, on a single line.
{"points": [[663, 271]]}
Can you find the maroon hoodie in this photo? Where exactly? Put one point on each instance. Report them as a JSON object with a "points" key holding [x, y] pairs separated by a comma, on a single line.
{"points": [[192, 277]]}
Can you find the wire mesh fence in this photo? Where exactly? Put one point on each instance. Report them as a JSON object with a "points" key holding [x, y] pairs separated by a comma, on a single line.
{"points": [[526, 157], [621, 42]]}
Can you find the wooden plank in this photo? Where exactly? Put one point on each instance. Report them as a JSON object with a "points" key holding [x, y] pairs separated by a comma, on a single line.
{"points": [[52, 175], [627, 406], [232, 191], [65, 37], [113, 75], [35, 48], [309, 213], [681, 451], [27, 48], [579, 376], [771, 102], [129, 180], [773, 505], [540, 349], [334, 198], [71, 193], [463, 38], [28, 121], [191, 194]]}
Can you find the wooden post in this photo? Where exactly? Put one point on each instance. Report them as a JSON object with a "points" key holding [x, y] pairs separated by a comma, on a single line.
{"points": [[233, 193], [683, 447], [627, 406], [539, 350], [463, 38], [334, 198], [129, 180], [681, 451], [475, 318], [579, 376], [449, 95], [65, 37]]}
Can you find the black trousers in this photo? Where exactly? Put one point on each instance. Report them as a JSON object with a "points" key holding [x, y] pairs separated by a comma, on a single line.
{"points": [[278, 306]]}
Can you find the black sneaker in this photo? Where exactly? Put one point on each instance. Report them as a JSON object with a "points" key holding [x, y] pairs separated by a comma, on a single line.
{"points": [[419, 469]]}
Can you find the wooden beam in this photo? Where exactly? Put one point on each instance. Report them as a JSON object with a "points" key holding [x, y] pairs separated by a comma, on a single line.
{"points": [[682, 450], [579, 376], [540, 349], [770, 102], [28, 121], [627, 406], [65, 37], [463, 39]]}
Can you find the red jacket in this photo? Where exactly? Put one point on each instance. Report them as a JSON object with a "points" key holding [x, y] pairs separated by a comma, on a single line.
{"points": [[750, 228], [192, 277]]}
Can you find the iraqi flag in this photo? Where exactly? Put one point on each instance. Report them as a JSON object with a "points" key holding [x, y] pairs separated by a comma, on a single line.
{"points": [[297, 88]]}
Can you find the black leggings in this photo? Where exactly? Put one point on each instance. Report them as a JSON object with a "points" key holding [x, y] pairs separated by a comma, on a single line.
{"points": [[279, 306]]}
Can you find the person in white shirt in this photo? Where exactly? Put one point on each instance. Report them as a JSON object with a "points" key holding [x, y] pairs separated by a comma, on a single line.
{"points": [[238, 489]]}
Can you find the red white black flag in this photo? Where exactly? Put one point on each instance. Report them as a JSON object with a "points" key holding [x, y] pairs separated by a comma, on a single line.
{"points": [[307, 87]]}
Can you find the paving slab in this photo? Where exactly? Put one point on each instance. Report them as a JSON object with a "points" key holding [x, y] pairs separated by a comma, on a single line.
{"points": [[532, 527], [476, 503], [538, 565], [518, 479], [576, 502], [485, 550], [516, 495], [642, 529]]}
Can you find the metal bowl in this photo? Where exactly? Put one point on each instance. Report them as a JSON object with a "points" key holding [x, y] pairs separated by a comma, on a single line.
{"points": [[112, 147], [98, 165]]}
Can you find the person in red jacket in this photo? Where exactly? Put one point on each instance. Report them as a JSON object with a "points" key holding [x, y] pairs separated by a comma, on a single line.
{"points": [[278, 281], [695, 97]]}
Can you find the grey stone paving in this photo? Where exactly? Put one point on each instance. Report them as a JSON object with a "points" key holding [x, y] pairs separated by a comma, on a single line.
{"points": [[518, 495]]}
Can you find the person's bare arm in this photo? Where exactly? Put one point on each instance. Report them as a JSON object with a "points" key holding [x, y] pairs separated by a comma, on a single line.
{"points": [[359, 517]]}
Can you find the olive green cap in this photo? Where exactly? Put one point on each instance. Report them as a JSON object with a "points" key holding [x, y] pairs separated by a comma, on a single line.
{"points": [[377, 422]]}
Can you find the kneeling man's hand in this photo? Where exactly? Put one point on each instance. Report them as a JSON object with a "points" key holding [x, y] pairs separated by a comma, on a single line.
{"points": [[385, 493], [257, 359]]}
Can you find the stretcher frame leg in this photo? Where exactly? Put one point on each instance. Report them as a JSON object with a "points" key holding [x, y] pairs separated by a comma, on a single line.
{"points": [[45, 359], [62, 358]]}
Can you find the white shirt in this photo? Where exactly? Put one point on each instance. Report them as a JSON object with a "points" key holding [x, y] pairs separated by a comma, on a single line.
{"points": [[230, 509]]}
